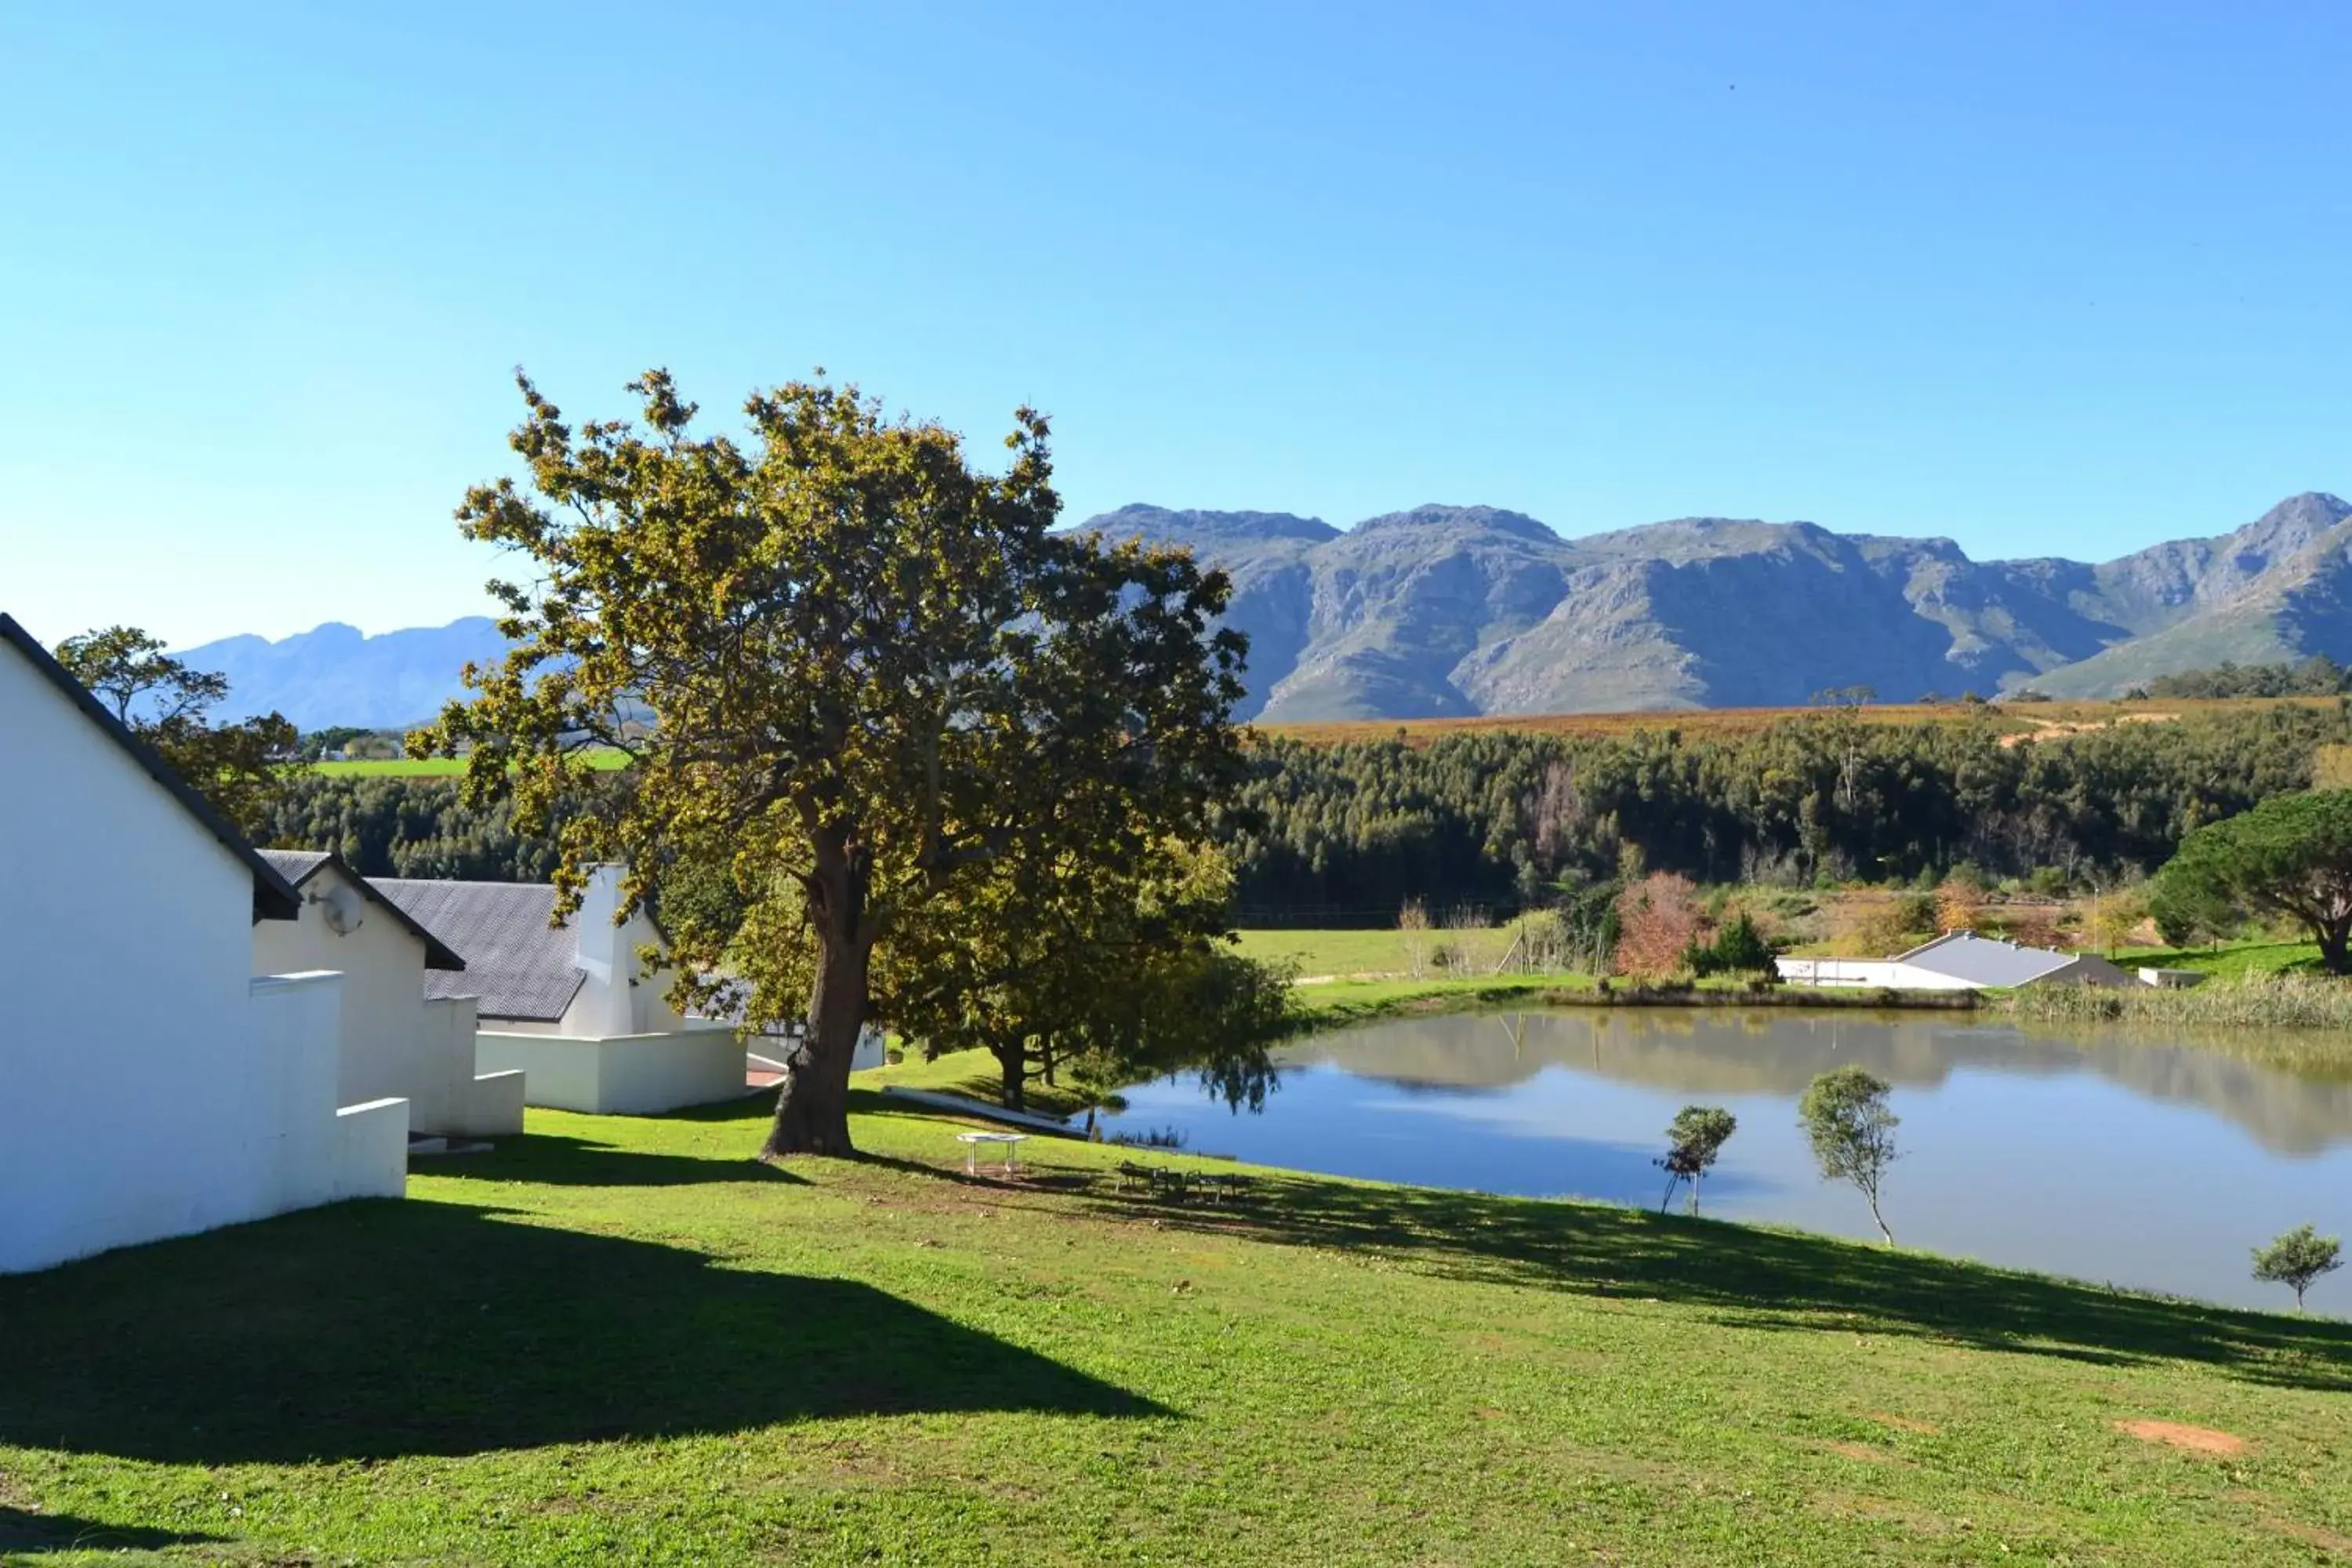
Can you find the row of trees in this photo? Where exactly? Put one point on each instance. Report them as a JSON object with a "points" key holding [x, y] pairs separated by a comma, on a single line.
{"points": [[2318, 676], [1505, 816]]}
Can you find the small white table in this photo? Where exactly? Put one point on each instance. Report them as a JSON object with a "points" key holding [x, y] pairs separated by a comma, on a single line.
{"points": [[972, 1140]]}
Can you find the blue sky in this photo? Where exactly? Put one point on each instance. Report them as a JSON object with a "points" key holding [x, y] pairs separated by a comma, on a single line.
{"points": [[2047, 279]]}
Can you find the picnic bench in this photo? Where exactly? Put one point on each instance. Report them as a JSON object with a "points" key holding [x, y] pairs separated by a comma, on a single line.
{"points": [[972, 1140], [1162, 1180]]}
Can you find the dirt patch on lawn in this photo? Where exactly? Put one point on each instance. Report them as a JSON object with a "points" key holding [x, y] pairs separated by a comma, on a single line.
{"points": [[2195, 1439], [2312, 1534], [1862, 1453]]}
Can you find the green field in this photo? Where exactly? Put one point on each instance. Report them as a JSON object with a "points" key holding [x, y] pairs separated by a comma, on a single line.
{"points": [[617, 1339], [444, 767], [1379, 950]]}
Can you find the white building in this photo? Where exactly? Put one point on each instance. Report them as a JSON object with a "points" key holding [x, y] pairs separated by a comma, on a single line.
{"points": [[150, 1084], [396, 1041], [571, 1006], [1957, 961]]}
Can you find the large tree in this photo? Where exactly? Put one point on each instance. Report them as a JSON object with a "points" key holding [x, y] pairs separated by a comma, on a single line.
{"points": [[873, 669], [242, 769], [2290, 856]]}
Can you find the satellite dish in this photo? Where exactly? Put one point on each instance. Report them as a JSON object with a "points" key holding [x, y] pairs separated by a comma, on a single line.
{"points": [[342, 909]]}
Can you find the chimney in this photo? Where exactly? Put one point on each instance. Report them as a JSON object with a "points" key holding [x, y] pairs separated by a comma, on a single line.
{"points": [[602, 951]]}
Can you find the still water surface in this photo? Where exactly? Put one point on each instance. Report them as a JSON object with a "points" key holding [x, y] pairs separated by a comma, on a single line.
{"points": [[2140, 1163]]}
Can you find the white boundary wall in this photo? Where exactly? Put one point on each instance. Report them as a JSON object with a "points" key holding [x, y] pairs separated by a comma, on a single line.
{"points": [[394, 1043], [1881, 974], [631, 1075]]}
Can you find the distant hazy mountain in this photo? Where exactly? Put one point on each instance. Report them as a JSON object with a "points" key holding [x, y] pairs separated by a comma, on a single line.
{"points": [[334, 675], [1458, 610], [1447, 610]]}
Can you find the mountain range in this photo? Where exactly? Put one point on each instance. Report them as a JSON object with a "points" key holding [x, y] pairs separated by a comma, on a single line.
{"points": [[336, 675], [1446, 610], [1443, 611]]}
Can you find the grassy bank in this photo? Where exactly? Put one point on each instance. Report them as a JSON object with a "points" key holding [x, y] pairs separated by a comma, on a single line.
{"points": [[1380, 951], [2248, 1000], [616, 1340], [1358, 1001]]}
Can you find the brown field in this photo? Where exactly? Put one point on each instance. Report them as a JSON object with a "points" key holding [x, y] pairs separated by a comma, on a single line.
{"points": [[2019, 721]]}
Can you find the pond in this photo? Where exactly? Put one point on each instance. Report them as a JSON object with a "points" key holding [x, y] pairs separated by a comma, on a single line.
{"points": [[2133, 1161]]}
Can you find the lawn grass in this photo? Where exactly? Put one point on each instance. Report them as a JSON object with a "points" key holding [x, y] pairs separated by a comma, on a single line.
{"points": [[618, 1340], [2228, 961], [974, 1074]]}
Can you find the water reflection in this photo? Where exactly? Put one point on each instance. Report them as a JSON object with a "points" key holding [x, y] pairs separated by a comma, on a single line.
{"points": [[2139, 1160], [1774, 1052]]}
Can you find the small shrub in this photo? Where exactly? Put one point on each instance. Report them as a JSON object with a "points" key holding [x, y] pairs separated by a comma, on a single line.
{"points": [[1657, 919]]}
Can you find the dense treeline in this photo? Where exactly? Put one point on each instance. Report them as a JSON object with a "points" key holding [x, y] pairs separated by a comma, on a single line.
{"points": [[2318, 676], [1502, 818], [393, 826]]}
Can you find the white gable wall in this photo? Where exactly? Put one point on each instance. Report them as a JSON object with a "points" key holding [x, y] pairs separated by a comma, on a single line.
{"points": [[394, 1043], [139, 1095]]}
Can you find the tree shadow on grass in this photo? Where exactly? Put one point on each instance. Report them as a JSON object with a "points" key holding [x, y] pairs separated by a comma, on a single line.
{"points": [[1756, 1277], [23, 1533], [554, 1160], [379, 1329]]}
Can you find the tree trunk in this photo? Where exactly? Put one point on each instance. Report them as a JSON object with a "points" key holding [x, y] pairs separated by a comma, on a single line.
{"points": [[1012, 1064], [813, 1107], [2333, 938], [1882, 1221]]}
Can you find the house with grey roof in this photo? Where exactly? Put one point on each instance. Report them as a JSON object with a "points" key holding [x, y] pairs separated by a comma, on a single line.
{"points": [[1958, 961], [570, 1002], [396, 1037], [150, 1084]]}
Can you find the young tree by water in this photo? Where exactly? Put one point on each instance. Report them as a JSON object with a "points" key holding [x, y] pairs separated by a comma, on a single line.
{"points": [[2297, 1259], [2290, 856], [1694, 1139], [1846, 1119], [873, 668]]}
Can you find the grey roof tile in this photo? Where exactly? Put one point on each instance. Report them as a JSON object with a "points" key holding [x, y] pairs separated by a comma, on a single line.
{"points": [[521, 967], [1983, 960]]}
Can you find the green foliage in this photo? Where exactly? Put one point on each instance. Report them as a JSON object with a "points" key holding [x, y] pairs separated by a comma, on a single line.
{"points": [[2318, 676], [872, 671], [2297, 1259], [1694, 1139], [393, 826], [242, 769], [1845, 1118], [2290, 856], [1738, 947], [1061, 966], [1478, 817]]}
